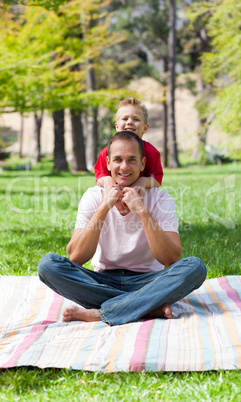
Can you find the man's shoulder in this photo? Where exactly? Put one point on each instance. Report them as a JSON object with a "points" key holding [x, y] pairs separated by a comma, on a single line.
{"points": [[94, 190], [158, 195], [158, 192], [93, 193], [160, 204]]}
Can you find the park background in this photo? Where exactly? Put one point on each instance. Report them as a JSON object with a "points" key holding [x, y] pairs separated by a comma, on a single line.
{"points": [[66, 65], [78, 59]]}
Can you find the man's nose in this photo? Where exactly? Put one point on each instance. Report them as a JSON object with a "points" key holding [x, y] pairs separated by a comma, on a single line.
{"points": [[124, 164]]}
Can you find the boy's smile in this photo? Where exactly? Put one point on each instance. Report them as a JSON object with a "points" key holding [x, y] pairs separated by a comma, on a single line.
{"points": [[130, 117]]}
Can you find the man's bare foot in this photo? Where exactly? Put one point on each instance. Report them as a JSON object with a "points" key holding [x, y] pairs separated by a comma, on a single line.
{"points": [[164, 311], [76, 313]]}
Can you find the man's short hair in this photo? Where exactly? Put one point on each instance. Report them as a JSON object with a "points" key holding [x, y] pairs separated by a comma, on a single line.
{"points": [[135, 102], [126, 136]]}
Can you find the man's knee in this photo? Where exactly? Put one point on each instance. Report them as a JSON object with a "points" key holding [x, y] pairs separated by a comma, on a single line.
{"points": [[48, 264], [198, 267]]}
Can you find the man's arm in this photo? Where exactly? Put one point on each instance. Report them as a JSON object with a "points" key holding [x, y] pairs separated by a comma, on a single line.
{"points": [[165, 246], [83, 243]]}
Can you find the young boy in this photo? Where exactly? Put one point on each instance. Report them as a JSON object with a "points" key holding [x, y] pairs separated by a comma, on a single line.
{"points": [[132, 115]]}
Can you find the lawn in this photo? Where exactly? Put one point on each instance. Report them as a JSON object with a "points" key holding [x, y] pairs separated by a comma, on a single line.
{"points": [[38, 210]]}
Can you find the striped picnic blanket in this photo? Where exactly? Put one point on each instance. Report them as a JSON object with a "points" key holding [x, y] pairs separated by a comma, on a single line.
{"points": [[204, 335]]}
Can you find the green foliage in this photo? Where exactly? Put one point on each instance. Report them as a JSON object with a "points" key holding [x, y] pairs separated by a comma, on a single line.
{"points": [[44, 55], [210, 155], [7, 137], [203, 106], [221, 66], [48, 4], [146, 28]]}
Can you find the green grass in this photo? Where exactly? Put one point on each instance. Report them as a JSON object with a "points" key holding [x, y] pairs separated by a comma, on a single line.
{"points": [[38, 210]]}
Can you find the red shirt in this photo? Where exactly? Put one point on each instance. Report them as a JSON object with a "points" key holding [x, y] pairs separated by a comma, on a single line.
{"points": [[152, 168]]}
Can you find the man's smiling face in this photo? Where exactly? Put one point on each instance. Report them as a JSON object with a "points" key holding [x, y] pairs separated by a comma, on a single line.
{"points": [[125, 162]]}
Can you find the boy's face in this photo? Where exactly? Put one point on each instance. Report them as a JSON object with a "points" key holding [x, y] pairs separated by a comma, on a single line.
{"points": [[130, 117]]}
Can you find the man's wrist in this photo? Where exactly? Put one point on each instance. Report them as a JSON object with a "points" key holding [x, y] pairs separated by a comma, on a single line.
{"points": [[141, 209], [103, 209]]}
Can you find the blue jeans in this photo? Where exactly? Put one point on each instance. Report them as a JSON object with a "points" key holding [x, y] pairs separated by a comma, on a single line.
{"points": [[121, 296]]}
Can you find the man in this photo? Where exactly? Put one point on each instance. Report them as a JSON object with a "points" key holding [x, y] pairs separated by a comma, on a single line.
{"points": [[132, 237]]}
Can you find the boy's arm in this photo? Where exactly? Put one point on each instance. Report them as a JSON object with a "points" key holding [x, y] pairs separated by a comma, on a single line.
{"points": [[105, 181], [146, 182]]}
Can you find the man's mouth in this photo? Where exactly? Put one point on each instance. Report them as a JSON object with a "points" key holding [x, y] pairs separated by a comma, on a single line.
{"points": [[124, 175]]}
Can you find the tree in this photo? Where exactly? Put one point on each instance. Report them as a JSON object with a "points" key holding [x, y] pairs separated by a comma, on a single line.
{"points": [[60, 162], [221, 66], [24, 62], [172, 143], [38, 117], [45, 50], [79, 160], [195, 41], [148, 23]]}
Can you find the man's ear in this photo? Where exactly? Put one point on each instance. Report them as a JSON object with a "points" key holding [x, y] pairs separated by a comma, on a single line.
{"points": [[116, 126], [108, 162], [143, 163]]}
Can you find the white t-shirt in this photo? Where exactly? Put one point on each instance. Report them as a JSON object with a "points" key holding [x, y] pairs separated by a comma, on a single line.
{"points": [[123, 243]]}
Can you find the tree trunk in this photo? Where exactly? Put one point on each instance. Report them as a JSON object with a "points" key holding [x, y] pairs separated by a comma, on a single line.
{"points": [[202, 127], [60, 162], [172, 142], [203, 122], [38, 118], [91, 122], [92, 137], [165, 149], [79, 161], [165, 122], [20, 150]]}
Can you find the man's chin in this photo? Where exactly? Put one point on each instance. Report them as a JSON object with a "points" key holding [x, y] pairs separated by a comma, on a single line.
{"points": [[124, 183]]}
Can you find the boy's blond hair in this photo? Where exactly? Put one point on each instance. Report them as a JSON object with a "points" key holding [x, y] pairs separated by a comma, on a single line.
{"points": [[135, 102]]}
